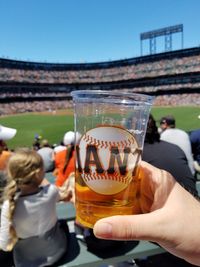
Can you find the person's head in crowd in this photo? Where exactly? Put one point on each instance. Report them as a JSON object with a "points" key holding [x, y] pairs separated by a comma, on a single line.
{"points": [[6, 133], [46, 152], [25, 168], [25, 172], [167, 122], [152, 134], [69, 138], [37, 142], [45, 143]]}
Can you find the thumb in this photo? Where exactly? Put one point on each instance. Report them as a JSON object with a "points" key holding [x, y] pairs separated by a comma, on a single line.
{"points": [[131, 227]]}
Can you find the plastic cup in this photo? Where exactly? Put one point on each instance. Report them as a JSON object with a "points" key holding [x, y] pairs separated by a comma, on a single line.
{"points": [[111, 128]]}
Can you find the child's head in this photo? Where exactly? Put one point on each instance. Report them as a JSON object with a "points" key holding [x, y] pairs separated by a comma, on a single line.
{"points": [[25, 167]]}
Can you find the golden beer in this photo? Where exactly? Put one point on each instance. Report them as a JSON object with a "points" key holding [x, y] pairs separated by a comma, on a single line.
{"points": [[111, 127], [92, 206]]}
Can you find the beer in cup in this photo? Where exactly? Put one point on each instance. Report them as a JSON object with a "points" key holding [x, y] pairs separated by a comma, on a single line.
{"points": [[111, 128]]}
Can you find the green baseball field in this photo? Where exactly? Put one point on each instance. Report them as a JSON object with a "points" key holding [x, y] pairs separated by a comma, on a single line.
{"points": [[52, 126]]}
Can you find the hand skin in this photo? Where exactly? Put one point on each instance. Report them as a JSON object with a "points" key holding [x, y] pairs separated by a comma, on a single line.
{"points": [[172, 221], [67, 191]]}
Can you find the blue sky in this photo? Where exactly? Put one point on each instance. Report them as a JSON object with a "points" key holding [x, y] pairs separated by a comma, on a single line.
{"points": [[74, 31]]}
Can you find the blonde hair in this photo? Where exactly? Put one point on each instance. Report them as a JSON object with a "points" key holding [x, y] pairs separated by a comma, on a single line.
{"points": [[24, 166]]}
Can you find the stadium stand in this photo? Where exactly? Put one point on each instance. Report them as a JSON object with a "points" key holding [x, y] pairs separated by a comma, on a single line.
{"points": [[172, 77]]}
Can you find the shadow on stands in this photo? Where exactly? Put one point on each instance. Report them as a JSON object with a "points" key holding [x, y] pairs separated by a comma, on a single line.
{"points": [[164, 260], [104, 249], [6, 259], [72, 251]]}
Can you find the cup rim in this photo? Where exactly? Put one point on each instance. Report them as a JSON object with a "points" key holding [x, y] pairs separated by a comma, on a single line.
{"points": [[122, 97]]}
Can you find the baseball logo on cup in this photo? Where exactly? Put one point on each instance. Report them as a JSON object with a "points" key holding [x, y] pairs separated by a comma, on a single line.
{"points": [[106, 158]]}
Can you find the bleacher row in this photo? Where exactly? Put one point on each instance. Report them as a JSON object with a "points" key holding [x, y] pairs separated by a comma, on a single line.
{"points": [[172, 77], [175, 64], [51, 106]]}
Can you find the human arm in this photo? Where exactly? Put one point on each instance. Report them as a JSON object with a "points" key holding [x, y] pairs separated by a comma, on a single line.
{"points": [[66, 191], [5, 226], [172, 218]]}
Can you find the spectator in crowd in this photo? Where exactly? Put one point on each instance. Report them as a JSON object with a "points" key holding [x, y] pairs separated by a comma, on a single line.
{"points": [[29, 223], [60, 147], [45, 106], [176, 136], [36, 142], [172, 220], [47, 152], [5, 134], [168, 157], [65, 159], [195, 142]]}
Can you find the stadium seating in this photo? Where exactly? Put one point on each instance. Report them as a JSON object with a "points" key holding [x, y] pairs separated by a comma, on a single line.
{"points": [[172, 77]]}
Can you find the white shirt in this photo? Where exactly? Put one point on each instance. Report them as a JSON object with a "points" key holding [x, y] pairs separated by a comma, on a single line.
{"points": [[59, 148], [181, 139], [34, 215], [47, 155]]}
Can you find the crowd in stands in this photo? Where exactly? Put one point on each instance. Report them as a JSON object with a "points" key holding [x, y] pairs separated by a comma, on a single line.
{"points": [[12, 95], [41, 93], [177, 100], [162, 67], [54, 105], [28, 205], [173, 78], [25, 188], [34, 106], [60, 159]]}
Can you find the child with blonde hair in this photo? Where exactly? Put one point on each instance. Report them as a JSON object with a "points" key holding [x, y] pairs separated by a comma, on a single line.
{"points": [[29, 224]]}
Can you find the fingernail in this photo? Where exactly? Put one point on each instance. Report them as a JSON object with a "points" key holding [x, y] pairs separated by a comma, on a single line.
{"points": [[103, 229]]}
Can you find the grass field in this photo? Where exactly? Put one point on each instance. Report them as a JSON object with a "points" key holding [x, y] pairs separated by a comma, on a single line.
{"points": [[53, 126]]}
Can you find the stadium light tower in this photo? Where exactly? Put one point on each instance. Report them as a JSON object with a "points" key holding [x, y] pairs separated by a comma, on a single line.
{"points": [[167, 32]]}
